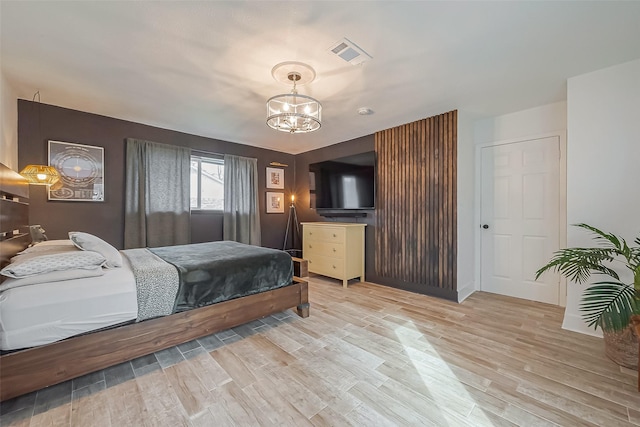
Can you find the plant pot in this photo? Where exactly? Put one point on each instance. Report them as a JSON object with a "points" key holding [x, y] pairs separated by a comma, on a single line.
{"points": [[622, 347]]}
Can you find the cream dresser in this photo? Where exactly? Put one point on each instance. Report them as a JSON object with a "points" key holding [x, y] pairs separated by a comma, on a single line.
{"points": [[334, 249]]}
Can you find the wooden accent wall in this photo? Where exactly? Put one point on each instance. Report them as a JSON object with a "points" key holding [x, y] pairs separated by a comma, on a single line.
{"points": [[416, 202]]}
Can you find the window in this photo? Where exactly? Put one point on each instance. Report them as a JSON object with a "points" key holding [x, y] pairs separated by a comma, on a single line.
{"points": [[207, 183]]}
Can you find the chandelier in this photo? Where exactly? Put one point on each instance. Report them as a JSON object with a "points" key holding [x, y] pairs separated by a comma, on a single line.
{"points": [[292, 112]]}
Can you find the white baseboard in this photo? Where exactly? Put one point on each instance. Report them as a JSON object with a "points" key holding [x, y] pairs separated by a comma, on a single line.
{"points": [[465, 291], [573, 322]]}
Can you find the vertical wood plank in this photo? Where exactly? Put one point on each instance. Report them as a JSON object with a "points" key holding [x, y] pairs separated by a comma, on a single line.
{"points": [[428, 241], [442, 247], [454, 203], [414, 222]]}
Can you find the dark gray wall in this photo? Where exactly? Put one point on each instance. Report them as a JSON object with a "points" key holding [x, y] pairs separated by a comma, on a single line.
{"points": [[347, 148], [306, 214], [38, 123]]}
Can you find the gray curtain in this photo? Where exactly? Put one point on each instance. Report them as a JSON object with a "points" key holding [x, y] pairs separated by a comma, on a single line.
{"points": [[241, 208], [157, 207]]}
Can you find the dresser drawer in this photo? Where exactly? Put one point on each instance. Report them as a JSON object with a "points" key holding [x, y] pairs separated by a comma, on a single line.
{"points": [[326, 266], [325, 234], [329, 249]]}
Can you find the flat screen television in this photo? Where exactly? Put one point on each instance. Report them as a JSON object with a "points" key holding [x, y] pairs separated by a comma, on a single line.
{"points": [[343, 183]]}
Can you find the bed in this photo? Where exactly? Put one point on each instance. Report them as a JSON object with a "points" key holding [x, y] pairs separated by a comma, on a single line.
{"points": [[36, 367]]}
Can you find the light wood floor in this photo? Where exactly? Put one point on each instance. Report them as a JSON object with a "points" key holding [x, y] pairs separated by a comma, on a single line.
{"points": [[367, 356]]}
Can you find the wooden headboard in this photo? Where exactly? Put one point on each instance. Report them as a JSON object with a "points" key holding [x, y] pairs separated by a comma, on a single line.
{"points": [[14, 214]]}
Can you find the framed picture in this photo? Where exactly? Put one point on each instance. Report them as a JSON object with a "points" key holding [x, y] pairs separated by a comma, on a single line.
{"points": [[275, 202], [275, 178], [81, 169]]}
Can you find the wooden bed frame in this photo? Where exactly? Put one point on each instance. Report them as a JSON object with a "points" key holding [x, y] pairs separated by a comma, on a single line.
{"points": [[34, 368]]}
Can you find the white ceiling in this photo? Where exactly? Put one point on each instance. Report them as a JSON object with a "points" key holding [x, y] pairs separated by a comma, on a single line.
{"points": [[205, 67]]}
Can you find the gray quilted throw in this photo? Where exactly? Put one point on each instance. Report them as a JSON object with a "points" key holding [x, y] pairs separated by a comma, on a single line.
{"points": [[156, 283]]}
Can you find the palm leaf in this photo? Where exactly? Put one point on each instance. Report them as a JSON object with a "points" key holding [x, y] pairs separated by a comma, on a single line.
{"points": [[578, 263], [608, 238], [635, 252], [609, 305], [618, 244]]}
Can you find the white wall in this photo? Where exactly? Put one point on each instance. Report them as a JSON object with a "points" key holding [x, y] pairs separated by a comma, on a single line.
{"points": [[465, 207], [522, 124], [9, 121], [603, 162]]}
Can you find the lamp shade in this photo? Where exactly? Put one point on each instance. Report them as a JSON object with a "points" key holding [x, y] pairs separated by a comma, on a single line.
{"points": [[40, 174]]}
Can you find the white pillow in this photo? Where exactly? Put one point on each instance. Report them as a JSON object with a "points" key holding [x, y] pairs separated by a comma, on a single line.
{"points": [[52, 276], [48, 245], [49, 250], [54, 262], [89, 242]]}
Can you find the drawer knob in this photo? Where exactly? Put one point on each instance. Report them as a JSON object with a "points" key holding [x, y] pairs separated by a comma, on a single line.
{"points": [[310, 233], [334, 249], [334, 266], [310, 246], [334, 235]]}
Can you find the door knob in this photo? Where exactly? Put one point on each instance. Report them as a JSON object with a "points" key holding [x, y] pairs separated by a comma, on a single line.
{"points": [[485, 226]]}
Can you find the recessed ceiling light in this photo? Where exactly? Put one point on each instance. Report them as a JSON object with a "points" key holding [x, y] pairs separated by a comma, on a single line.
{"points": [[365, 111]]}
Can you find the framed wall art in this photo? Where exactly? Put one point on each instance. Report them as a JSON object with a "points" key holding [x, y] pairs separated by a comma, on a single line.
{"points": [[275, 178], [275, 202], [81, 169]]}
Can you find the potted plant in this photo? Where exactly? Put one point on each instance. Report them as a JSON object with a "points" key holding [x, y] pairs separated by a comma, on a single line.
{"points": [[608, 303]]}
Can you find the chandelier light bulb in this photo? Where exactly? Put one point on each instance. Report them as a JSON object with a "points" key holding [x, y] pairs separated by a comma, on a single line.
{"points": [[285, 107]]}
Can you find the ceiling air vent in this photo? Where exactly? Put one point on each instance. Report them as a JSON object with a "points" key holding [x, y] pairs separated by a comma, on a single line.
{"points": [[350, 52]]}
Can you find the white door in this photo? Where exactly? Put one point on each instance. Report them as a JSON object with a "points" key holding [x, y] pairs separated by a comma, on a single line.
{"points": [[520, 215]]}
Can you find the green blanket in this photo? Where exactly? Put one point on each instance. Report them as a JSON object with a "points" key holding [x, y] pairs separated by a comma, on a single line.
{"points": [[219, 271]]}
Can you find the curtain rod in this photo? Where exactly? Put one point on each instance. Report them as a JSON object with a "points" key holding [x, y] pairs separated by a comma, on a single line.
{"points": [[282, 165], [207, 152], [278, 164]]}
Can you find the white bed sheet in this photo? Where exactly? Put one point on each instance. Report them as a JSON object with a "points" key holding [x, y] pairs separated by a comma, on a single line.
{"points": [[48, 312]]}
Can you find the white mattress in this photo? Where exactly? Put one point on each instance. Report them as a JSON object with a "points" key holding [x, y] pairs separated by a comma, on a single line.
{"points": [[48, 312]]}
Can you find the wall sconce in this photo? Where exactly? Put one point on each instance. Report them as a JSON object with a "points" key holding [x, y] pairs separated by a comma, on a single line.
{"points": [[40, 174]]}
